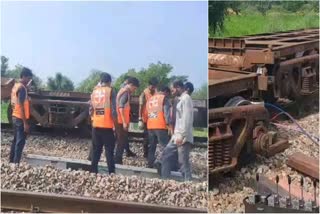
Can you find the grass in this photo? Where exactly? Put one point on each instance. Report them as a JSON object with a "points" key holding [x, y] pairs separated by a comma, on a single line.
{"points": [[239, 25], [197, 132], [4, 107], [203, 132]]}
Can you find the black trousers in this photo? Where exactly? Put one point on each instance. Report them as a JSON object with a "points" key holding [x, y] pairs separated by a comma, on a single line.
{"points": [[122, 143], [103, 138]]}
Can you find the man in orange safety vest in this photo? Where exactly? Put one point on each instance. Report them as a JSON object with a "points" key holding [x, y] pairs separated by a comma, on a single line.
{"points": [[158, 110], [104, 115], [143, 115], [20, 115]]}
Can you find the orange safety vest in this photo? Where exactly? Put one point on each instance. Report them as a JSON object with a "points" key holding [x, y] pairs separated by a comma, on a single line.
{"points": [[147, 95], [156, 119], [16, 105], [126, 107], [101, 103]]}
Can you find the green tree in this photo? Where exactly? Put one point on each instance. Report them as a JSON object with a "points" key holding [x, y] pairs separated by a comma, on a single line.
{"points": [[4, 65], [263, 6], [159, 70], [59, 83], [217, 12], [201, 93], [293, 6], [90, 82]]}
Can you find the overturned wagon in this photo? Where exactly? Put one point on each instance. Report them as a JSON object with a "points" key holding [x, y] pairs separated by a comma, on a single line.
{"points": [[262, 67], [285, 64], [71, 109]]}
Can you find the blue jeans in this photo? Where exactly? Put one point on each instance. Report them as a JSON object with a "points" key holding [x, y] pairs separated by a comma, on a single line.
{"points": [[169, 156], [156, 135], [19, 140]]}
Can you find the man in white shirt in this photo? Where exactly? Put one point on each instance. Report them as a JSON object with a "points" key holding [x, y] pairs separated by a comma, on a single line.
{"points": [[182, 138]]}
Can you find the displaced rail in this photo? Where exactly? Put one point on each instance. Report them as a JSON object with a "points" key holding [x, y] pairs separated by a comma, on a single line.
{"points": [[75, 164], [54, 203]]}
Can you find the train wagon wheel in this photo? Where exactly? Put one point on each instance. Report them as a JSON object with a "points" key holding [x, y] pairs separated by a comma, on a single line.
{"points": [[295, 79], [246, 155], [237, 101]]}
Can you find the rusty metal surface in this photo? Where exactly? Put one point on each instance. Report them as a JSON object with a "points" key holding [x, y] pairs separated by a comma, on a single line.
{"points": [[6, 86], [57, 203], [297, 77], [304, 164], [229, 82], [291, 61], [265, 48], [229, 130], [70, 109]]}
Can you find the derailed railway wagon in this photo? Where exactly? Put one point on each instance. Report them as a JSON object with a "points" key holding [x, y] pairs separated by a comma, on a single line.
{"points": [[55, 109], [259, 68]]}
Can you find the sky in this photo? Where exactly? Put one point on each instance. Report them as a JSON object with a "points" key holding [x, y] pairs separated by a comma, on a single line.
{"points": [[75, 37]]}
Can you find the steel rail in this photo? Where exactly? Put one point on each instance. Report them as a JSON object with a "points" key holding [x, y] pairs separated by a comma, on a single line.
{"points": [[54, 203], [73, 133]]}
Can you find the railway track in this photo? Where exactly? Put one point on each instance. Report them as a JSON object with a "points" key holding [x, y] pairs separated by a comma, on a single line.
{"points": [[57, 203], [136, 137], [75, 164]]}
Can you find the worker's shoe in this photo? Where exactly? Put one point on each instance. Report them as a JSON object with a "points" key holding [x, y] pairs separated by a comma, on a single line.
{"points": [[131, 154]]}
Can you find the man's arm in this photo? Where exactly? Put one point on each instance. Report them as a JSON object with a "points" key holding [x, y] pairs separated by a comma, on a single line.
{"points": [[22, 94], [90, 106], [114, 105], [167, 109], [187, 115], [122, 102], [141, 103]]}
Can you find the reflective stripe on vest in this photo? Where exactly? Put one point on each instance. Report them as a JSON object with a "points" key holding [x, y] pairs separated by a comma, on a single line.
{"points": [[147, 96], [101, 103], [16, 105], [126, 107], [156, 119]]}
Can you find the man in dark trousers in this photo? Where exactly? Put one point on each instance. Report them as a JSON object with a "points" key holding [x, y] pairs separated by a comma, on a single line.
{"points": [[123, 112], [104, 115], [20, 115], [127, 149], [158, 122], [143, 117]]}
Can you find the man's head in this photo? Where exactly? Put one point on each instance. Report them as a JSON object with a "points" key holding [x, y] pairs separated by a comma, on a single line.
{"points": [[132, 84], [25, 75], [165, 90], [188, 87], [153, 83], [126, 77], [105, 78], [177, 88]]}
